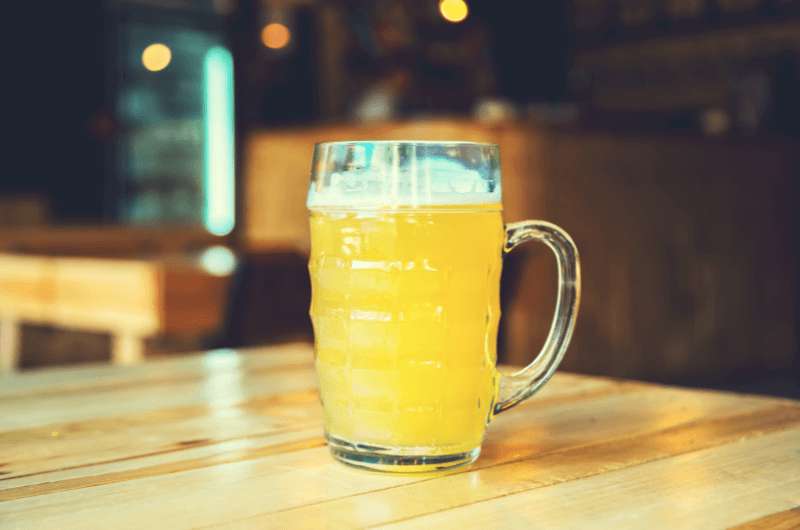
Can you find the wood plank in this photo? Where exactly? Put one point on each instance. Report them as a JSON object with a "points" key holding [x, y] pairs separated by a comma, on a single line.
{"points": [[257, 486], [106, 294], [52, 381], [786, 520], [116, 397], [97, 439], [190, 456], [89, 443], [225, 390], [25, 285], [717, 488], [106, 240], [502, 476], [92, 441]]}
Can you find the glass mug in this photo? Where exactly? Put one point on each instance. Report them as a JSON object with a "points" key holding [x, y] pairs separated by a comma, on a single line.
{"points": [[407, 240]]}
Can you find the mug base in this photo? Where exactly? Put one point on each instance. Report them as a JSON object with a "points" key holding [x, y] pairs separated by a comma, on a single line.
{"points": [[395, 460]]}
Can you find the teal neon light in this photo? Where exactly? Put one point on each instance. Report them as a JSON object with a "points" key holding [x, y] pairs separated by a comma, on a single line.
{"points": [[219, 214]]}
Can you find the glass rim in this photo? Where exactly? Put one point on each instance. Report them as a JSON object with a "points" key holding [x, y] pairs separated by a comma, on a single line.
{"points": [[445, 143]]}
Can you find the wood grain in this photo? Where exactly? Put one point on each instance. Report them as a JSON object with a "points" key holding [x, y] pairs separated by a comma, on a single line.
{"points": [[713, 488], [787, 520], [234, 439]]}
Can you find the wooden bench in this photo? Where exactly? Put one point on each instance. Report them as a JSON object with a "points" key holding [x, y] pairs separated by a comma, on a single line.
{"points": [[131, 299], [106, 240]]}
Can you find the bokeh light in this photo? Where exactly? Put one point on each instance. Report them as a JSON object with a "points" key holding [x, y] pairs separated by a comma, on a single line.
{"points": [[275, 35], [156, 57], [454, 10], [218, 260]]}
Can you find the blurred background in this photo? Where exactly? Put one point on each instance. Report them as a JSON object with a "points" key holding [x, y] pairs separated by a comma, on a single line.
{"points": [[156, 154]]}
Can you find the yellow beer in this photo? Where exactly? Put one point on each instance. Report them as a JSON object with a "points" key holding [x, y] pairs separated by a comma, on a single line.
{"points": [[406, 248], [405, 310]]}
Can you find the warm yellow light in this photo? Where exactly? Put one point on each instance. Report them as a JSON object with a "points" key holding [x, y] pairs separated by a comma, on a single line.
{"points": [[453, 10], [275, 35], [156, 57]]}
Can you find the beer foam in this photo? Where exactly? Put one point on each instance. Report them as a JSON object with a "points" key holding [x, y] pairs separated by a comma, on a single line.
{"points": [[435, 182]]}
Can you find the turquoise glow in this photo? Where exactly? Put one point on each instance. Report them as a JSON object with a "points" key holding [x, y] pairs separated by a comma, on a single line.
{"points": [[219, 215]]}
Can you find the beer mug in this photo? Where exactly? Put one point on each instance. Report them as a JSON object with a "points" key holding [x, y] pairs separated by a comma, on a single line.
{"points": [[407, 241]]}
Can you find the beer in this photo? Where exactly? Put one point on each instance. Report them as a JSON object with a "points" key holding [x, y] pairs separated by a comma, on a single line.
{"points": [[405, 310], [407, 240]]}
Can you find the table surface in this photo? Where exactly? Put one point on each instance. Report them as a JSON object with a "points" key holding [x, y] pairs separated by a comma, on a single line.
{"points": [[234, 439]]}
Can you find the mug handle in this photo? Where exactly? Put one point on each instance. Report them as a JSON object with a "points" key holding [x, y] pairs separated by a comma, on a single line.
{"points": [[523, 384]]}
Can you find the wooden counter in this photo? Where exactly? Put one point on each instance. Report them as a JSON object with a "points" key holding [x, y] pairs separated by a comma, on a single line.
{"points": [[688, 244], [234, 440]]}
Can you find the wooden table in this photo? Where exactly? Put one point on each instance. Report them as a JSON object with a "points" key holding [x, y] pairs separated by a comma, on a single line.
{"points": [[132, 299], [232, 439]]}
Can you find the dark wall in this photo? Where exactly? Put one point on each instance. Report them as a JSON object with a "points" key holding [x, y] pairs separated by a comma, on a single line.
{"points": [[274, 87], [53, 99], [530, 45]]}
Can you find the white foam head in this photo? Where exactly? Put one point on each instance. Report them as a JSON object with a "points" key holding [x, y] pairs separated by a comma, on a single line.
{"points": [[404, 174]]}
